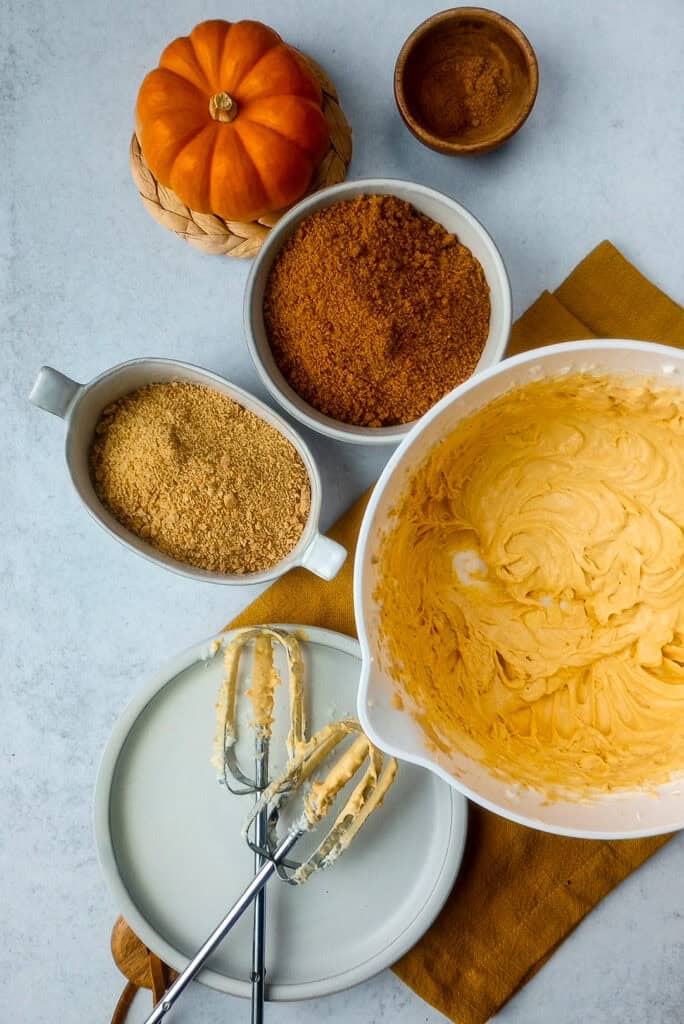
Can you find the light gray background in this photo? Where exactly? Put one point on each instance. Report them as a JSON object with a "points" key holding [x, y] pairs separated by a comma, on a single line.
{"points": [[88, 279]]}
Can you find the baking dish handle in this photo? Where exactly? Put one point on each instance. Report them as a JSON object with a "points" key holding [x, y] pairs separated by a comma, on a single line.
{"points": [[54, 392], [324, 557]]}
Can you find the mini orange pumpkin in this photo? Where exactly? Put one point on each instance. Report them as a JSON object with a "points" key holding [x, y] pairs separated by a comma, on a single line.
{"points": [[231, 120]]}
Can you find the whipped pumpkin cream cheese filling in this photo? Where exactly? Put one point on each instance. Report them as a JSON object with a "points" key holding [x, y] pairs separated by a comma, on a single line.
{"points": [[531, 586]]}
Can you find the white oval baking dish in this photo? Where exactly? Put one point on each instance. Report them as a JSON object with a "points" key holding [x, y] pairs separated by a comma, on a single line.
{"points": [[81, 405]]}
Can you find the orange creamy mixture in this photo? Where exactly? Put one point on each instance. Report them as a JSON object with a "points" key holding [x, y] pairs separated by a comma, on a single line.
{"points": [[532, 586]]}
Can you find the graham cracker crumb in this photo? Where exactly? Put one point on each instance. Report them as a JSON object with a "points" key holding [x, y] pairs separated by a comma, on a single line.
{"points": [[200, 477]]}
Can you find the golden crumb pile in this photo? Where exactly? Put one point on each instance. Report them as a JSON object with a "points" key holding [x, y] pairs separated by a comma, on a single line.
{"points": [[200, 477]]}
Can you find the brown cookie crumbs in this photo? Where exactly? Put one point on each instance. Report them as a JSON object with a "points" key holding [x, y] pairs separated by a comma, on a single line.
{"points": [[200, 477], [374, 311]]}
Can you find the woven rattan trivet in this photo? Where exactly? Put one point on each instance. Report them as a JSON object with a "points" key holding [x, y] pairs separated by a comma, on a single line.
{"points": [[241, 238]]}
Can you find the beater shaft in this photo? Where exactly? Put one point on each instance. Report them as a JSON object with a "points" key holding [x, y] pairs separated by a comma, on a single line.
{"points": [[366, 797], [219, 933], [259, 929]]}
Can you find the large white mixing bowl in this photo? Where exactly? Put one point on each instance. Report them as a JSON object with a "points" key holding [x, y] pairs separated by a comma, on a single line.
{"points": [[615, 816]]}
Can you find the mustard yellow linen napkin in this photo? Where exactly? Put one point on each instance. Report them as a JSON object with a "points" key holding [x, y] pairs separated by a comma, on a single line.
{"points": [[519, 892]]}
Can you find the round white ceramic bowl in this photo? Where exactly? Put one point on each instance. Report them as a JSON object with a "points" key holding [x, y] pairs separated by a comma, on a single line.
{"points": [[620, 815], [441, 208], [81, 405]]}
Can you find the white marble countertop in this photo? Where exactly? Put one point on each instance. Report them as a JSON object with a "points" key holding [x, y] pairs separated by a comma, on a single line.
{"points": [[88, 280]]}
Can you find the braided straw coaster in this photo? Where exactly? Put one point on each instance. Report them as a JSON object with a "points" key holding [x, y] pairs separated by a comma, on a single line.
{"points": [[212, 234]]}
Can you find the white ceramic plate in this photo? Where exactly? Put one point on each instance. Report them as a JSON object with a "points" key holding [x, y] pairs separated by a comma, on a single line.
{"points": [[168, 838]]}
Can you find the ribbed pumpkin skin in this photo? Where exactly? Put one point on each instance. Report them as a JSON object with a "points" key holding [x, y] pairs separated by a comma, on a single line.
{"points": [[261, 161]]}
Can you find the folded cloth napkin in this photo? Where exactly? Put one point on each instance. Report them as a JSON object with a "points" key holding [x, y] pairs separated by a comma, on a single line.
{"points": [[519, 892]]}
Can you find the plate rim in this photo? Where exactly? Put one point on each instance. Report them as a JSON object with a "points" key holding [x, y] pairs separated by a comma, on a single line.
{"points": [[283, 992]]}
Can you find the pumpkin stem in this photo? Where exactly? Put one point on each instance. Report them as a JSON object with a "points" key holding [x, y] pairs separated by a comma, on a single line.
{"points": [[223, 107]]}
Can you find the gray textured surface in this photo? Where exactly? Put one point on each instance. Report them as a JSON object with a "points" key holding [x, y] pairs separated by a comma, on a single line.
{"points": [[87, 279]]}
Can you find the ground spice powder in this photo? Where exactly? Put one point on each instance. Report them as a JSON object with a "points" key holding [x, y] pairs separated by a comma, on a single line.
{"points": [[458, 93], [200, 477], [374, 311]]}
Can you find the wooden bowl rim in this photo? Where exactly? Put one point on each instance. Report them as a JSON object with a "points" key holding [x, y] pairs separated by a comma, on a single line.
{"points": [[456, 14]]}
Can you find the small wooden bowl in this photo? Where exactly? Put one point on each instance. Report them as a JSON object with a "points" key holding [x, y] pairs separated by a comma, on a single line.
{"points": [[433, 52]]}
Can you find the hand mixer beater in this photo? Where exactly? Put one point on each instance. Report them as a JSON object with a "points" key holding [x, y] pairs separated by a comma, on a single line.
{"points": [[265, 678], [309, 777]]}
